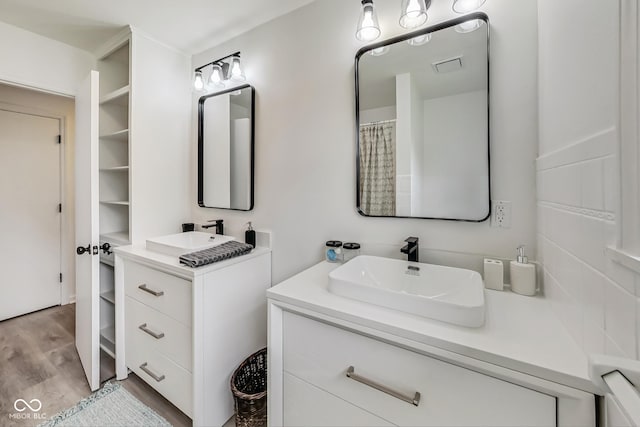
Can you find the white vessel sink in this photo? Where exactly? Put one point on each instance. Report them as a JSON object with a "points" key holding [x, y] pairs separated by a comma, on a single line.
{"points": [[452, 295], [184, 243]]}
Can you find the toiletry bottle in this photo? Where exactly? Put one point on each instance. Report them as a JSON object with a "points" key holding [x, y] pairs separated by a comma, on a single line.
{"points": [[250, 235], [523, 274]]}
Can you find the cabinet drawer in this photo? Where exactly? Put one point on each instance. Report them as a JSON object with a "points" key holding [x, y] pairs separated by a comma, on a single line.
{"points": [[158, 332], [321, 354], [169, 379], [306, 405], [161, 291]]}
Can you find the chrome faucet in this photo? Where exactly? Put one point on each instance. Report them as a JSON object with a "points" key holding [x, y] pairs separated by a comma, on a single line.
{"points": [[411, 249], [218, 224]]}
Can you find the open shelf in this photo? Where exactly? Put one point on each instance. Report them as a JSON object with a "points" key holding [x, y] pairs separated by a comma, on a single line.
{"points": [[115, 202], [121, 135], [108, 340], [115, 169], [119, 237], [109, 296], [119, 97]]}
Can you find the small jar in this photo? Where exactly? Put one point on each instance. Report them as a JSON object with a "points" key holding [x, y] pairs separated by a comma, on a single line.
{"points": [[350, 250], [333, 251]]}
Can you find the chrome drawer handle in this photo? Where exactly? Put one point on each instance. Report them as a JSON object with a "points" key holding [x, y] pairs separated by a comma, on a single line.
{"points": [[143, 287], [351, 373], [151, 374], [144, 328]]}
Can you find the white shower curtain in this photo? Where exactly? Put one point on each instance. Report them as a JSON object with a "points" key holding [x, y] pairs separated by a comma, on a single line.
{"points": [[378, 169]]}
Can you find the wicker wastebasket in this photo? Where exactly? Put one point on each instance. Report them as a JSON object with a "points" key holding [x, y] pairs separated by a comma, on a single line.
{"points": [[249, 388]]}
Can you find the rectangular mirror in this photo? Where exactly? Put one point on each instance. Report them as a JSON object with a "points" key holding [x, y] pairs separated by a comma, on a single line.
{"points": [[422, 108], [226, 149]]}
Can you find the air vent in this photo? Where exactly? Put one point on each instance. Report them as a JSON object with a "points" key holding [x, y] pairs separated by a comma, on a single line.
{"points": [[448, 65]]}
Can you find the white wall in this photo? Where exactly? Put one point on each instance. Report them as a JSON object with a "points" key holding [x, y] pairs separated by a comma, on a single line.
{"points": [[578, 77], [35, 61], [302, 66], [60, 107]]}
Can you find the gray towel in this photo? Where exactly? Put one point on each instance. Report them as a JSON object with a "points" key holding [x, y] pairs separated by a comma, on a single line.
{"points": [[224, 251]]}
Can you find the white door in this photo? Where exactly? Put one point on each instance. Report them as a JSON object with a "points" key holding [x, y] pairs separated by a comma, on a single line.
{"points": [[29, 217], [87, 238]]}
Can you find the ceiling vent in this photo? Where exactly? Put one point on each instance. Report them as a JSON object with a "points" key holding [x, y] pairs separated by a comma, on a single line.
{"points": [[448, 65]]}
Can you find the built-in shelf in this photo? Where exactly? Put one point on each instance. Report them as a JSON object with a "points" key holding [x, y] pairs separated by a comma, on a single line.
{"points": [[115, 169], [118, 237], [107, 261], [118, 96], [109, 296], [108, 340], [121, 135], [115, 202]]}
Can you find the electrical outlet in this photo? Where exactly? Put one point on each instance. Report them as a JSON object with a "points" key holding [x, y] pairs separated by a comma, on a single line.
{"points": [[501, 214]]}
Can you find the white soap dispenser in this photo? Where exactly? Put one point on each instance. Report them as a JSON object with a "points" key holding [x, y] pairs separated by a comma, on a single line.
{"points": [[523, 274]]}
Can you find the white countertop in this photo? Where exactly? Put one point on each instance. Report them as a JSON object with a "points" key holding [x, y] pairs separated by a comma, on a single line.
{"points": [[171, 264], [520, 333]]}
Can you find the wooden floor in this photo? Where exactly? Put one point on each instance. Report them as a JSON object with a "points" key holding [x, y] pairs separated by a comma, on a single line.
{"points": [[38, 360]]}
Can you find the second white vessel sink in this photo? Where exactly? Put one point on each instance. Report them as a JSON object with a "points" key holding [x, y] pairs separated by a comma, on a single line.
{"points": [[184, 243], [452, 295]]}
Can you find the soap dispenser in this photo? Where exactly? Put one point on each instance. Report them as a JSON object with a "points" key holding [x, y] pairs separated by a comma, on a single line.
{"points": [[523, 274], [250, 235]]}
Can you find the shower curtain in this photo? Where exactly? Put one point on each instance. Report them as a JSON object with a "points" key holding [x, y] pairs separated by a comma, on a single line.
{"points": [[378, 169]]}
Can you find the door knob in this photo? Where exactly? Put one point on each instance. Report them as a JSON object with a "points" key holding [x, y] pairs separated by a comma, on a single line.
{"points": [[106, 249], [82, 250]]}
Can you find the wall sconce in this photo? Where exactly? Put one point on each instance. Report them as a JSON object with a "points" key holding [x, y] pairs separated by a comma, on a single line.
{"points": [[413, 13], [223, 70]]}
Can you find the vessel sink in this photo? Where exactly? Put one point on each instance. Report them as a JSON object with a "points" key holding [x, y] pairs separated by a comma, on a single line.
{"points": [[184, 243], [452, 295]]}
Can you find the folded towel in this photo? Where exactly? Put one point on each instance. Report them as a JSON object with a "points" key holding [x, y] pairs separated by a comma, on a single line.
{"points": [[224, 251]]}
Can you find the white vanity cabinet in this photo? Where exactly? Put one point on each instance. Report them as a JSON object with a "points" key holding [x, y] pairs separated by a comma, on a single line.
{"points": [[184, 330], [335, 361]]}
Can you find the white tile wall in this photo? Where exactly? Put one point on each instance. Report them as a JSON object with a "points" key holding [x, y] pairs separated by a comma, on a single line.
{"points": [[596, 298]]}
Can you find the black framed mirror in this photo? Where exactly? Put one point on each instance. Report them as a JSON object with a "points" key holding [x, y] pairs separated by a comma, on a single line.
{"points": [[422, 114], [226, 149]]}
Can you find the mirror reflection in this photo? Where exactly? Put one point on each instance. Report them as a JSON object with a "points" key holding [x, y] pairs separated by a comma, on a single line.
{"points": [[423, 124], [225, 149]]}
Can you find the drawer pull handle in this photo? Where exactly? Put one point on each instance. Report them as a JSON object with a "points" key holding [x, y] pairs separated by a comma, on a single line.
{"points": [[143, 287], [144, 328], [151, 374], [351, 373]]}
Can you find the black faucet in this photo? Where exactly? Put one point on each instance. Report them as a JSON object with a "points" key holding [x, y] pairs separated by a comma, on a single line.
{"points": [[219, 225], [411, 249]]}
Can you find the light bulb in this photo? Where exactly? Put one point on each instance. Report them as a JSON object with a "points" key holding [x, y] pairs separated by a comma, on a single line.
{"points": [[235, 70], [368, 27], [379, 51], [465, 6], [216, 78], [420, 40], [413, 13], [198, 83], [468, 26]]}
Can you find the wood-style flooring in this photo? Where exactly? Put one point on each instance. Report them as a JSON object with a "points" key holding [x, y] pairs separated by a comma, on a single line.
{"points": [[38, 359]]}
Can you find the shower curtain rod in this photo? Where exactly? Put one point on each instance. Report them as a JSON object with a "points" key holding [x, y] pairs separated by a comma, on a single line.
{"points": [[378, 123]]}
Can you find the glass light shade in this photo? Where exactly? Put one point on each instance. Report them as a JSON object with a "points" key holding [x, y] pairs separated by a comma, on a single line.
{"points": [[413, 13], [198, 82], [379, 51], [468, 26], [236, 74], [420, 40], [368, 27], [216, 77], [465, 6]]}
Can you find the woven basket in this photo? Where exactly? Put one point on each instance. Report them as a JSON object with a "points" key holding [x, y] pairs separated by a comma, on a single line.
{"points": [[249, 388]]}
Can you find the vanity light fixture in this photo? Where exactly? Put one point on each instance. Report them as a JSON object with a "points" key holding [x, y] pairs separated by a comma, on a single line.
{"points": [[466, 6], [368, 27], [379, 51], [413, 13], [468, 26], [420, 40], [223, 70]]}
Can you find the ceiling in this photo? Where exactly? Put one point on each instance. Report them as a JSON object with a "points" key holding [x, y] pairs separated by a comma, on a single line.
{"points": [[188, 25]]}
